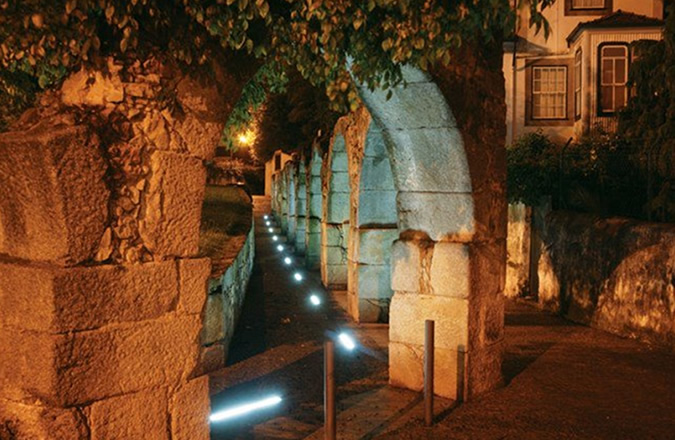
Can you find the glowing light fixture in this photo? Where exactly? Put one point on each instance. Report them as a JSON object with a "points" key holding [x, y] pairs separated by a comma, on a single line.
{"points": [[275, 238], [244, 409], [297, 276], [315, 300], [346, 341], [280, 247], [266, 216], [268, 223], [287, 260], [246, 138], [270, 229]]}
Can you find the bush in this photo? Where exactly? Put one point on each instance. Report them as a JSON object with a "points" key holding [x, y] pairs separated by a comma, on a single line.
{"points": [[532, 168]]}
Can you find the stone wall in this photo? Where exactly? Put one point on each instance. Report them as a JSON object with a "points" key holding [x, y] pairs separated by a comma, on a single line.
{"points": [[314, 209], [226, 293], [301, 207], [102, 297], [617, 275], [518, 250]]}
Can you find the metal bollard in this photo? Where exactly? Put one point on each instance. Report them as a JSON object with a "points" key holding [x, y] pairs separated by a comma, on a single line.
{"points": [[329, 389], [428, 372]]}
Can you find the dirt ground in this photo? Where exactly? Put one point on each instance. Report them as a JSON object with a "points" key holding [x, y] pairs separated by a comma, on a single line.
{"points": [[562, 381]]}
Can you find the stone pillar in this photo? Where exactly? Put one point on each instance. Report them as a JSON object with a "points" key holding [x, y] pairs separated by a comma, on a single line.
{"points": [[91, 349], [301, 208], [372, 220], [449, 263], [314, 211], [283, 200], [335, 216], [292, 172]]}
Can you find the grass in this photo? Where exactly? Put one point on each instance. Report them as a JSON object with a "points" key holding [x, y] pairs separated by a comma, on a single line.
{"points": [[226, 213]]}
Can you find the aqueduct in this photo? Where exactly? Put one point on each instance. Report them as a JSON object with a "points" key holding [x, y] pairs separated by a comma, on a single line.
{"points": [[111, 225], [419, 193]]}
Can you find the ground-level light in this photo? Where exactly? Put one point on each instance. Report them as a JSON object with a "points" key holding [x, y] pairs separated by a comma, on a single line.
{"points": [[280, 247], [315, 300], [270, 229], [266, 216], [297, 276], [275, 238], [244, 409], [346, 341], [268, 223], [288, 260]]}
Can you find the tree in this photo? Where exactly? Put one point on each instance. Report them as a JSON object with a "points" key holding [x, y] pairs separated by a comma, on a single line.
{"points": [[649, 117], [42, 40]]}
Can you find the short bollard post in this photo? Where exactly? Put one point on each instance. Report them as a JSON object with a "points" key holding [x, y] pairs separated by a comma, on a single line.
{"points": [[428, 372], [329, 390]]}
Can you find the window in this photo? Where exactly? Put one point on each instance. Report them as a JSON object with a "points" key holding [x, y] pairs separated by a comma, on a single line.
{"points": [[277, 162], [613, 77], [577, 84], [588, 4], [588, 7], [549, 92]]}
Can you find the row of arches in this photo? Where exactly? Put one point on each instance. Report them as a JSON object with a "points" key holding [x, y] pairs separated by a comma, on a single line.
{"points": [[400, 213]]}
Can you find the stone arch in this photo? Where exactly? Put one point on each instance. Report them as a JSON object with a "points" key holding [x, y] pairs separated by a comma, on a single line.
{"points": [[373, 220], [314, 209], [283, 200], [448, 263], [335, 213]]}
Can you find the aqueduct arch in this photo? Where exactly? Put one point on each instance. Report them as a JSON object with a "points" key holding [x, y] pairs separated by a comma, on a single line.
{"points": [[300, 206], [449, 261], [291, 171], [335, 213]]}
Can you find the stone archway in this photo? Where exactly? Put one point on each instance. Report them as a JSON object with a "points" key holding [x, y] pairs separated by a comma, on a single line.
{"points": [[373, 219], [448, 263], [335, 213], [314, 209]]}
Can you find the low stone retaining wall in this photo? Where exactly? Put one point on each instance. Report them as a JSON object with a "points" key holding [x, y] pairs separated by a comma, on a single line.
{"points": [[226, 293], [616, 275]]}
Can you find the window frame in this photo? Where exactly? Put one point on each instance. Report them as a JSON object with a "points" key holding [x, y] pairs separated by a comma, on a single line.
{"points": [[570, 10], [598, 95], [578, 83], [568, 120]]}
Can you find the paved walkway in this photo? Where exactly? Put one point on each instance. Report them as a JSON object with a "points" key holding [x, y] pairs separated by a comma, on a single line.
{"points": [[563, 381]]}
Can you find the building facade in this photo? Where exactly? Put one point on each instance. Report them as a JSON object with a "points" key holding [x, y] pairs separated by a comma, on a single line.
{"points": [[575, 80]]}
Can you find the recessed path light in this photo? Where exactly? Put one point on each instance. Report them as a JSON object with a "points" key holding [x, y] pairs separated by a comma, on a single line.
{"points": [[297, 276], [346, 341], [288, 260], [280, 247], [244, 409], [275, 238], [270, 229], [315, 300]]}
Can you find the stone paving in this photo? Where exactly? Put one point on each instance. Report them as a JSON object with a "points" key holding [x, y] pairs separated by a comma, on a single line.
{"points": [[562, 381]]}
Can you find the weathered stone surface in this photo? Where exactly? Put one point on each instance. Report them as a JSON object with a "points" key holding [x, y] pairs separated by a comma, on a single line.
{"points": [[372, 282], [374, 245], [451, 315], [39, 422], [334, 276], [484, 370], [212, 358], [377, 208], [214, 329], [189, 408], [406, 364], [614, 274], [337, 207], [140, 415], [58, 300], [92, 89], [518, 250], [450, 273], [406, 266], [75, 368], [420, 164], [193, 275], [442, 216], [419, 105], [170, 224], [53, 198]]}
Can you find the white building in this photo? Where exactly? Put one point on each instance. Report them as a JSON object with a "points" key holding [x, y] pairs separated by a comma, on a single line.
{"points": [[576, 79]]}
